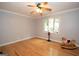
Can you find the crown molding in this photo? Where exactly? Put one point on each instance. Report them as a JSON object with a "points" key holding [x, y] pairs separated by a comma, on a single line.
{"points": [[66, 11], [62, 12], [3, 10], [52, 13]]}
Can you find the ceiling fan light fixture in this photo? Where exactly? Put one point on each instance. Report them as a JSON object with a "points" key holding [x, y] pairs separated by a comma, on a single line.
{"points": [[38, 10]]}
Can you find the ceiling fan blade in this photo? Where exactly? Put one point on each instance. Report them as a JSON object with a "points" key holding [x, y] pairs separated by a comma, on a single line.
{"points": [[33, 12], [31, 5], [45, 3], [47, 9]]}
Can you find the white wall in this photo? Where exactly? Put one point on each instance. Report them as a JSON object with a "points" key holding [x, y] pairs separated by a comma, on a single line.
{"points": [[69, 26], [15, 27]]}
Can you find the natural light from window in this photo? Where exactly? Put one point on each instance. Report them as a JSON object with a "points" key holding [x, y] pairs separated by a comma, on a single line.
{"points": [[51, 25]]}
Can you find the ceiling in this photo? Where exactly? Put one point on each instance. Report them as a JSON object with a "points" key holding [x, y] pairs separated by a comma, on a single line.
{"points": [[22, 8]]}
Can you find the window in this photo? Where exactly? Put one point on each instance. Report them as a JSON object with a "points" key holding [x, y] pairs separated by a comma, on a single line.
{"points": [[51, 25]]}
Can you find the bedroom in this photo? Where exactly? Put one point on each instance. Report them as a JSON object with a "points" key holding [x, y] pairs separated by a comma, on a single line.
{"points": [[25, 34]]}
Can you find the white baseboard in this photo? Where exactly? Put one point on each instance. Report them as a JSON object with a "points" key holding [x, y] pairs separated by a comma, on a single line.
{"points": [[53, 40], [15, 41], [30, 38], [50, 39]]}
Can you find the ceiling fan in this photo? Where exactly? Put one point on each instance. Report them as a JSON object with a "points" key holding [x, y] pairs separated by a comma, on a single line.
{"points": [[40, 8]]}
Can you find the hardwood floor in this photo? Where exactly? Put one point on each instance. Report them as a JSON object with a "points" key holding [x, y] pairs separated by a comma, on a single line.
{"points": [[0, 49], [37, 47]]}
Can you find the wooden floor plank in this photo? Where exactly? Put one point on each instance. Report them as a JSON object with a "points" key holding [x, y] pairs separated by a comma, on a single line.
{"points": [[38, 47], [0, 49]]}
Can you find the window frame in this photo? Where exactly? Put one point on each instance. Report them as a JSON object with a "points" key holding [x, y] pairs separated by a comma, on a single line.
{"points": [[53, 31]]}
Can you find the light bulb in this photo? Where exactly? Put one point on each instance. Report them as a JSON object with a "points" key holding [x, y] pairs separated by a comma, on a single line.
{"points": [[39, 10]]}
